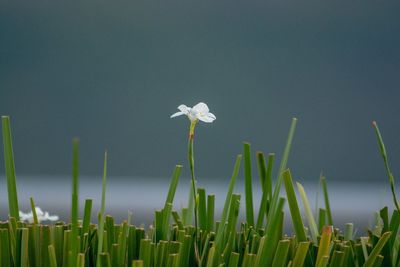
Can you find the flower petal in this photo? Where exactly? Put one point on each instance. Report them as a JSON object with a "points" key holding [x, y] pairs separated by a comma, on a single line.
{"points": [[201, 108], [179, 113], [184, 109], [207, 118], [211, 115]]}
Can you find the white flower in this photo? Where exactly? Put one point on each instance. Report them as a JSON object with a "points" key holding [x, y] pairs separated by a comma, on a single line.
{"points": [[198, 112], [42, 216]]}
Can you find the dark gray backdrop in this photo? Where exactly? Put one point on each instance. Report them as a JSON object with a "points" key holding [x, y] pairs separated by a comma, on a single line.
{"points": [[112, 72]]}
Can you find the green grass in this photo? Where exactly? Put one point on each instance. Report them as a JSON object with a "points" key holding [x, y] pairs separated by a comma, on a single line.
{"points": [[220, 239]]}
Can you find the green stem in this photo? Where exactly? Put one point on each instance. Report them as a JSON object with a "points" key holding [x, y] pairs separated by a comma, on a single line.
{"points": [[191, 164]]}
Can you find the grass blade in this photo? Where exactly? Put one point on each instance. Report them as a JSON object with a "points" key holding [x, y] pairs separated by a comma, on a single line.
{"points": [[386, 162], [323, 248], [294, 207], [100, 230], [267, 186], [248, 185], [33, 208], [275, 197], [220, 231], [210, 212], [52, 256], [310, 217], [301, 253], [326, 198], [75, 199], [202, 208], [87, 216], [281, 253], [377, 249], [10, 168]]}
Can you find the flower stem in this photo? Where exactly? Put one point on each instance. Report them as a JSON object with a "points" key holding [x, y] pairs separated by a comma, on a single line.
{"points": [[191, 164]]}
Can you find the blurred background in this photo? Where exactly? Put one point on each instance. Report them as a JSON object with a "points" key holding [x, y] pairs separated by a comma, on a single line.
{"points": [[111, 73]]}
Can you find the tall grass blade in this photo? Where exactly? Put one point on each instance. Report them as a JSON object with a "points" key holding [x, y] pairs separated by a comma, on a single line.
{"points": [[300, 255], [248, 185], [377, 249], [294, 207], [34, 214], [326, 198], [10, 168], [75, 199], [218, 244], [52, 256], [280, 258], [275, 197], [386, 162], [266, 197], [210, 212], [323, 248], [310, 217], [100, 230]]}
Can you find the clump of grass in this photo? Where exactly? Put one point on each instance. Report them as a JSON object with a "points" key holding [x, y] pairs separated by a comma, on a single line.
{"points": [[172, 240]]}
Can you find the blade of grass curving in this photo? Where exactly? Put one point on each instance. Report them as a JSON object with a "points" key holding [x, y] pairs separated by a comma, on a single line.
{"points": [[100, 230], [10, 168], [394, 240], [248, 185], [265, 172], [310, 217], [75, 199], [301, 253], [294, 207], [34, 214], [275, 197], [326, 199], [386, 162], [324, 245], [377, 249]]}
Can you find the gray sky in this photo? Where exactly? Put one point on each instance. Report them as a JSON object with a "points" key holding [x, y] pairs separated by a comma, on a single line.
{"points": [[113, 72]]}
